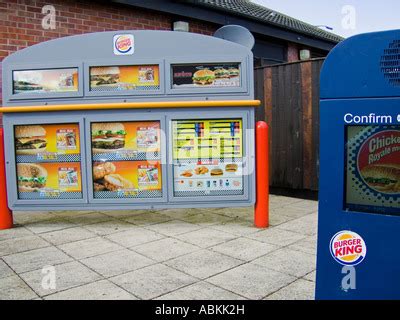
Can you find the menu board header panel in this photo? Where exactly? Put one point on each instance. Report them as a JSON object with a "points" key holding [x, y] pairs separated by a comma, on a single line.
{"points": [[206, 75], [373, 169], [45, 81]]}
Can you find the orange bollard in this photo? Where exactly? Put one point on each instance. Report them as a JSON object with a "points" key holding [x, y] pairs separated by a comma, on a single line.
{"points": [[261, 212], [6, 218]]}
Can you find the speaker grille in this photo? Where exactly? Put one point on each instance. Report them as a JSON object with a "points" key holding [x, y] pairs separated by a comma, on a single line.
{"points": [[390, 63]]}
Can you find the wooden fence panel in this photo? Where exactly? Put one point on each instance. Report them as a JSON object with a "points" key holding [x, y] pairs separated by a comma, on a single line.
{"points": [[290, 105]]}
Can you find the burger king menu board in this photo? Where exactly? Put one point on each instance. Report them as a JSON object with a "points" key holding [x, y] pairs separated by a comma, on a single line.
{"points": [[120, 78], [206, 75], [45, 81], [126, 159], [373, 168], [208, 157], [48, 161]]}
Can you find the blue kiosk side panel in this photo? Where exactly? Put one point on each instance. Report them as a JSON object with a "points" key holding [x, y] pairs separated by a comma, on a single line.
{"points": [[359, 208]]}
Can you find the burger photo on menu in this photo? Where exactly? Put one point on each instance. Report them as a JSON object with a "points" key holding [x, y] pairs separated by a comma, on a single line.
{"points": [[382, 177], [31, 177], [108, 137], [104, 76], [204, 77], [30, 140]]}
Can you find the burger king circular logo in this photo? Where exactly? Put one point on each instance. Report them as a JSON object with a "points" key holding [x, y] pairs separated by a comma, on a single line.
{"points": [[348, 248], [123, 44]]}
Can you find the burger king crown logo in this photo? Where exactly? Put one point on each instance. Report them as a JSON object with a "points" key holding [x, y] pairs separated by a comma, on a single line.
{"points": [[123, 44], [348, 248]]}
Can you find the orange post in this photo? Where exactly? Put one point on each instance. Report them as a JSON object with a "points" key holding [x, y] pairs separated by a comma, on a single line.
{"points": [[6, 219], [261, 212]]}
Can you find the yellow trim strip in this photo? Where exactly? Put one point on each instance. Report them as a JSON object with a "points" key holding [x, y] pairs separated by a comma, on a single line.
{"points": [[133, 105]]}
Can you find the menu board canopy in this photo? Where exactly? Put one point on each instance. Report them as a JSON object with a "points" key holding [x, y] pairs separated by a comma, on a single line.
{"points": [[80, 68]]}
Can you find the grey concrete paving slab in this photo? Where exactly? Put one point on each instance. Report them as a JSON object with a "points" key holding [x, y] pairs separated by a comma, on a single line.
{"points": [[23, 217], [49, 225], [100, 290], [36, 259], [89, 247], [134, 236], [288, 261], [13, 288], [174, 227], [153, 281], [298, 290], [67, 275], [109, 227], [165, 249], [117, 262], [244, 249], [206, 237], [89, 218], [276, 236], [203, 264], [14, 233], [201, 291], [206, 219], [236, 227], [5, 270], [148, 218], [252, 281], [311, 276], [67, 235], [205, 253], [242, 212], [304, 225], [22, 244], [307, 245]]}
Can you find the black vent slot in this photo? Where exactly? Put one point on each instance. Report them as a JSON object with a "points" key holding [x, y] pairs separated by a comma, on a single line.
{"points": [[390, 63]]}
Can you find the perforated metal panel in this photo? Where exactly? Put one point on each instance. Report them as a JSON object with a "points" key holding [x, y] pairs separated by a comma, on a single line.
{"points": [[390, 63]]}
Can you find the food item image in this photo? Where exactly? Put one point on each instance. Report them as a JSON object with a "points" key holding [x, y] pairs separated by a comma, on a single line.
{"points": [[31, 177], [30, 140], [232, 167], [104, 76], [217, 172], [204, 77], [382, 177], [103, 169], [233, 72], [201, 170], [108, 137], [187, 173], [221, 73], [115, 182]]}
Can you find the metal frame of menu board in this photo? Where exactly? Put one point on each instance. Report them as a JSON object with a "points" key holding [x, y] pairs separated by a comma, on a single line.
{"points": [[11, 169]]}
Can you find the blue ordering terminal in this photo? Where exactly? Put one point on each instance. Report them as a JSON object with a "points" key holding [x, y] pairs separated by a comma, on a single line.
{"points": [[359, 201]]}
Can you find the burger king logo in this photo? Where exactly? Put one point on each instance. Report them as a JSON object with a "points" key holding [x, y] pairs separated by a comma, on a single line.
{"points": [[123, 44], [348, 248]]}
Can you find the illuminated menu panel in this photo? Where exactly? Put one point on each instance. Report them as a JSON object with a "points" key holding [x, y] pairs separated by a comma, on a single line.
{"points": [[126, 159], [45, 81], [208, 157], [48, 161], [122, 78], [373, 169]]}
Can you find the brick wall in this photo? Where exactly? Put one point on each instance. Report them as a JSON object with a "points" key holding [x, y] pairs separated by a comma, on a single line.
{"points": [[293, 52], [21, 21]]}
